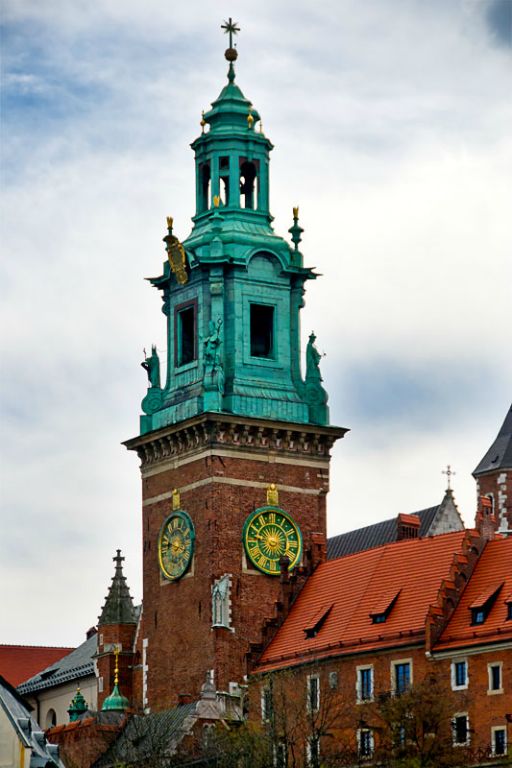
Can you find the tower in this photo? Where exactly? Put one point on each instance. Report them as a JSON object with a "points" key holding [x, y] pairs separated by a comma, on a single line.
{"points": [[235, 446], [493, 477]]}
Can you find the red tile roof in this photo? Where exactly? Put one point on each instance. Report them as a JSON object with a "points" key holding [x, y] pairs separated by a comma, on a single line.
{"points": [[355, 584], [19, 662], [493, 568]]}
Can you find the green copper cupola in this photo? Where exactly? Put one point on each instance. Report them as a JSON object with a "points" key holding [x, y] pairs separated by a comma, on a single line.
{"points": [[232, 290]]}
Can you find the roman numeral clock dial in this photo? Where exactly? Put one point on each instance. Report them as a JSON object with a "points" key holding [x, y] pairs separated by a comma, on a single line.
{"points": [[176, 545], [269, 534]]}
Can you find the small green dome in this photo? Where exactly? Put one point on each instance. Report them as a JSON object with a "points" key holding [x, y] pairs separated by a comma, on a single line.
{"points": [[116, 702], [77, 706]]}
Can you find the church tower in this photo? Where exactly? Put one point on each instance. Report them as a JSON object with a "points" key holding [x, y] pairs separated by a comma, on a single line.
{"points": [[235, 444], [493, 477]]}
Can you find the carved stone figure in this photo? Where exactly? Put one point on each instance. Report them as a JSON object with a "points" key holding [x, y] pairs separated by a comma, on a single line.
{"points": [[316, 396], [213, 369], [152, 367], [313, 358]]}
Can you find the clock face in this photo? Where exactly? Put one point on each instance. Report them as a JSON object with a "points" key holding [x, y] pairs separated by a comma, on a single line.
{"points": [[269, 534], [176, 545]]}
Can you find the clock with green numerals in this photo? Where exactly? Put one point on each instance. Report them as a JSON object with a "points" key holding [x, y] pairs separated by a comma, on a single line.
{"points": [[176, 545], [269, 534]]}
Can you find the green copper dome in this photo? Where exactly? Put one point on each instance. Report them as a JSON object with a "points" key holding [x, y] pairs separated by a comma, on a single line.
{"points": [[116, 702], [77, 707]]}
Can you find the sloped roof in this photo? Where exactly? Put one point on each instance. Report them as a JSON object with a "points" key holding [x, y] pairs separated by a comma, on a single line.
{"points": [[375, 535], [118, 607], [19, 662], [77, 664], [27, 730], [147, 737], [499, 455], [493, 568], [355, 584]]}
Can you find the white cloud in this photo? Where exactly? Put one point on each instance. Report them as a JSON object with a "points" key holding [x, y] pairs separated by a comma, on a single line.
{"points": [[391, 131]]}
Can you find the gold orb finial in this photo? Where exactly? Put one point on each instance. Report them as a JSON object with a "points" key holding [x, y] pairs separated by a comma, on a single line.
{"points": [[203, 122], [250, 118]]}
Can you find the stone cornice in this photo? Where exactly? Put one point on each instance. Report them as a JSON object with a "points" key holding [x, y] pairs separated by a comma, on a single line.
{"points": [[216, 430]]}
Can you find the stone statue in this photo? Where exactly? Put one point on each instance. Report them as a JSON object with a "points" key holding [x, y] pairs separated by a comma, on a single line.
{"points": [[152, 367], [313, 358], [316, 396], [213, 370]]}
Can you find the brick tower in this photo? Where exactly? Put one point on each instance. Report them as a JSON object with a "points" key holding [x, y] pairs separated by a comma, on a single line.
{"points": [[493, 478], [235, 446], [117, 625]]}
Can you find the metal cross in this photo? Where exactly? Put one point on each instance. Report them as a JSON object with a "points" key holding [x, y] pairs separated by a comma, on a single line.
{"points": [[448, 472], [230, 28]]}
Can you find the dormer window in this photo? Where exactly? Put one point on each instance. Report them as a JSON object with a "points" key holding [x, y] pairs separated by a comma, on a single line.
{"points": [[317, 621], [481, 607], [383, 608]]}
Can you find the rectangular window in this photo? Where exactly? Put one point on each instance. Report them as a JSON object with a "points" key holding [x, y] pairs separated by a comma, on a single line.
{"points": [[186, 335], [314, 752], [262, 330], [459, 675], [280, 755], [509, 611], [460, 726], [364, 683], [266, 705], [499, 740], [365, 742], [401, 676], [313, 693], [494, 671]]}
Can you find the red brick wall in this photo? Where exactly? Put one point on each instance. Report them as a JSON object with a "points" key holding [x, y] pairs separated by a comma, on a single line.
{"points": [[82, 743], [182, 645], [501, 493], [110, 635]]}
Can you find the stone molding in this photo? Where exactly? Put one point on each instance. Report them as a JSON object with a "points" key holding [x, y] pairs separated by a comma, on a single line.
{"points": [[257, 436]]}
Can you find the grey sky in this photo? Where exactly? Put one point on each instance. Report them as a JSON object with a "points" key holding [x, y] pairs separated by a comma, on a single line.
{"points": [[391, 129]]}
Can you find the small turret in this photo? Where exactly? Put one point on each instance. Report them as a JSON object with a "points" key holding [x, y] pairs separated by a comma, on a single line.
{"points": [[493, 477], [77, 707]]}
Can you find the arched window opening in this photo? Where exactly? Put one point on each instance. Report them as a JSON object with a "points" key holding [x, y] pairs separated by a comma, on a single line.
{"points": [[248, 186], [51, 718], [205, 182], [489, 507], [224, 180]]}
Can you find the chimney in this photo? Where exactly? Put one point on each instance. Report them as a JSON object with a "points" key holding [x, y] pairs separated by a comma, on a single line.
{"points": [[91, 632], [485, 520], [407, 527]]}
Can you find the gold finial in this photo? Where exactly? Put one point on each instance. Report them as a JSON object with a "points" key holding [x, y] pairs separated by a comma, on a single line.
{"points": [[296, 212], [116, 665], [176, 500], [250, 118], [216, 201], [203, 122], [272, 495], [170, 222]]}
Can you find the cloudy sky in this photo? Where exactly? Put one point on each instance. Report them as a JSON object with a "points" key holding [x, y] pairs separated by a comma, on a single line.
{"points": [[391, 124]]}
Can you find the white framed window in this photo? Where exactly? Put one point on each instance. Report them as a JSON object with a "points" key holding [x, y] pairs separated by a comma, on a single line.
{"points": [[460, 729], [100, 685], [365, 743], [459, 674], [280, 755], [498, 740], [266, 705], [313, 693], [313, 751], [495, 674], [401, 676], [364, 683]]}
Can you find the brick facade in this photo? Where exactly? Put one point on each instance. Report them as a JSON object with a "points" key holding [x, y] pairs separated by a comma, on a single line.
{"points": [[222, 467]]}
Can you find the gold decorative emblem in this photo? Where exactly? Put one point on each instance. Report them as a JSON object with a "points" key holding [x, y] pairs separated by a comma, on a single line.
{"points": [[270, 534], [176, 501], [272, 495], [176, 545], [176, 254]]}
